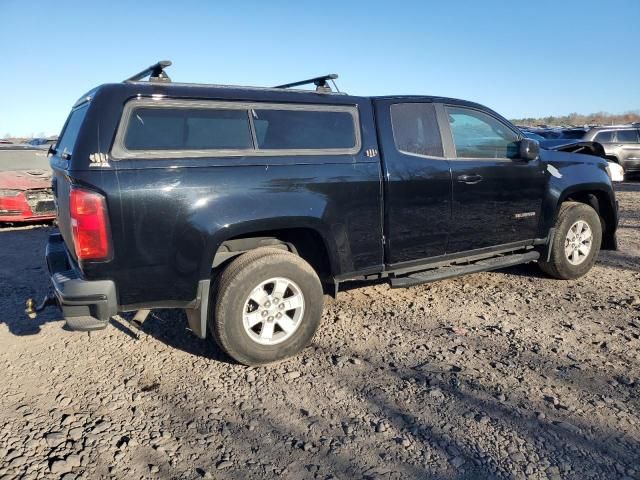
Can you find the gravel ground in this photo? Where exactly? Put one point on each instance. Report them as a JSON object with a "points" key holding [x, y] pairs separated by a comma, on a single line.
{"points": [[495, 375]]}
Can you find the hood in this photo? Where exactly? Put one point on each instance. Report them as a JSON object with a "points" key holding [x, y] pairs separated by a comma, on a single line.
{"points": [[25, 179], [576, 146], [575, 151], [563, 158]]}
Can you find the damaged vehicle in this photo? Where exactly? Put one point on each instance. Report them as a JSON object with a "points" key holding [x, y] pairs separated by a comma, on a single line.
{"points": [[585, 147], [243, 206], [25, 185]]}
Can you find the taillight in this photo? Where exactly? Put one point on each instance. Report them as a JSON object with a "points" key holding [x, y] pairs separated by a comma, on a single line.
{"points": [[90, 225]]}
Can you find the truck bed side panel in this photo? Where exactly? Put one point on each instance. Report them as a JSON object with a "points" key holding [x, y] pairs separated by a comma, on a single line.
{"points": [[168, 222]]}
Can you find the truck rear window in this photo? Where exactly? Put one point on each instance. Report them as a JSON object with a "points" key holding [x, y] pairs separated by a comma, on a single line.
{"points": [[71, 128]]}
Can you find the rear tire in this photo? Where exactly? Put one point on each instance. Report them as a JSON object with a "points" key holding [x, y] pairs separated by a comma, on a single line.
{"points": [[268, 306], [576, 242]]}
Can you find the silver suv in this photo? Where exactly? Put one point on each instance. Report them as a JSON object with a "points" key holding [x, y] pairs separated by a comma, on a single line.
{"points": [[621, 144]]}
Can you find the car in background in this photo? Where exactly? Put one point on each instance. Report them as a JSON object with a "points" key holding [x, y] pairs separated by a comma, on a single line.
{"points": [[43, 142], [615, 171], [558, 133], [621, 145], [25, 185], [533, 135], [573, 133], [554, 137]]}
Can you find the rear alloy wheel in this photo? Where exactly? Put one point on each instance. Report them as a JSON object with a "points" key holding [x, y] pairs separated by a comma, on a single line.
{"points": [[576, 242], [268, 306], [273, 311]]}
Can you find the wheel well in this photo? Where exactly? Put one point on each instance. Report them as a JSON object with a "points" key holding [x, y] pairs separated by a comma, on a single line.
{"points": [[304, 242], [599, 201]]}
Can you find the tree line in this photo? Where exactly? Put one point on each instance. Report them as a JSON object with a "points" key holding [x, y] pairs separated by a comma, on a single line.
{"points": [[577, 119]]}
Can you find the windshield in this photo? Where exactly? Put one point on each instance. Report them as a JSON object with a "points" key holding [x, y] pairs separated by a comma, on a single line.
{"points": [[27, 159]]}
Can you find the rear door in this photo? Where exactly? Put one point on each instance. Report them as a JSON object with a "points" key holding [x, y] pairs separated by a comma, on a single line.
{"points": [[496, 195], [628, 146], [417, 180]]}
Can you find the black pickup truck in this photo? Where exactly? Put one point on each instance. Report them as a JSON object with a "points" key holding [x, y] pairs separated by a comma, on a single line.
{"points": [[244, 206]]}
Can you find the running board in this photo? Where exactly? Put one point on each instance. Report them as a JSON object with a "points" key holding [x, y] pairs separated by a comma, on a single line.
{"points": [[451, 271]]}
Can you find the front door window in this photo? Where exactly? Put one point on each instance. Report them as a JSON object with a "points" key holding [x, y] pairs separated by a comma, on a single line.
{"points": [[478, 135]]}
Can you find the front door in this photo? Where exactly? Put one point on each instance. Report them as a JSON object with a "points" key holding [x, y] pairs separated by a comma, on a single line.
{"points": [[496, 195]]}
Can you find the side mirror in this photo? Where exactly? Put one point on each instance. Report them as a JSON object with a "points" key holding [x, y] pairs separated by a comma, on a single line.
{"points": [[529, 149]]}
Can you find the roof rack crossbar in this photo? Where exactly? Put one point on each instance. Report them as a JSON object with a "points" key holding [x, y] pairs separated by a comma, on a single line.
{"points": [[155, 73], [320, 83]]}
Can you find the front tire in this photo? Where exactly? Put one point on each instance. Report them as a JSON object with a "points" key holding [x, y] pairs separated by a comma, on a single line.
{"points": [[268, 306], [576, 242]]}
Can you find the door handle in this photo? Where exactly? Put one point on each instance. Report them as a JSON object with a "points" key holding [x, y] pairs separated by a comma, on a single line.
{"points": [[470, 179]]}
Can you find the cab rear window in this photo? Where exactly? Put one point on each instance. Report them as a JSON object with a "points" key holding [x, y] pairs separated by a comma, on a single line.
{"points": [[415, 129]]}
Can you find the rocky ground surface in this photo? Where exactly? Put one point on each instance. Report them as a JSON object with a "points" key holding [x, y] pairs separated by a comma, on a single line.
{"points": [[507, 375]]}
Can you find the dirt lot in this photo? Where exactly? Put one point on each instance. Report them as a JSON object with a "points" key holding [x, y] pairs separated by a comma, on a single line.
{"points": [[495, 375]]}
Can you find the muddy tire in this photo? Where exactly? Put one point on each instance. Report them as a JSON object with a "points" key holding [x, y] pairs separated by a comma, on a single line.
{"points": [[576, 242]]}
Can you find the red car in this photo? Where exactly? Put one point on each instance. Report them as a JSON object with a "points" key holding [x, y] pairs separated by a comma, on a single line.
{"points": [[25, 185]]}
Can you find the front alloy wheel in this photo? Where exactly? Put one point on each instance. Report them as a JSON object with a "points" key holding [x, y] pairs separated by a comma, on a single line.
{"points": [[577, 244]]}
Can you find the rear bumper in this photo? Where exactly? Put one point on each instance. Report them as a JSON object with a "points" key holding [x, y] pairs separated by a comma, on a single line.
{"points": [[86, 305], [26, 218]]}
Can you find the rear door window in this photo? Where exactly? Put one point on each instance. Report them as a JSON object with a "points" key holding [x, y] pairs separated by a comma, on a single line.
{"points": [[188, 129], [604, 137], [627, 136], [415, 129], [303, 130]]}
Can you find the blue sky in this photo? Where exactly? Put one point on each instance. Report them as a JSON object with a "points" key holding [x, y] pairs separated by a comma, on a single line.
{"points": [[522, 58]]}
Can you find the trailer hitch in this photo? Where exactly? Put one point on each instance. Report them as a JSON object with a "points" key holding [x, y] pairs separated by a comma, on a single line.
{"points": [[32, 310]]}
